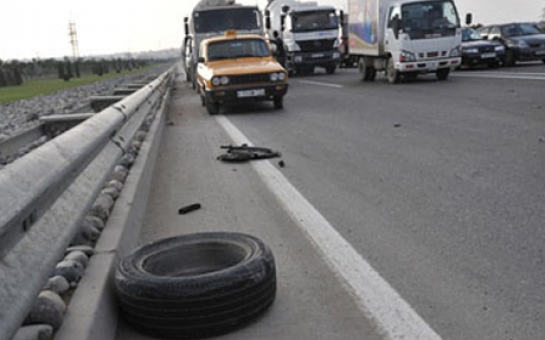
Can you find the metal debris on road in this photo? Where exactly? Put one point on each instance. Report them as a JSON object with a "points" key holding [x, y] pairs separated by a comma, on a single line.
{"points": [[246, 153]]}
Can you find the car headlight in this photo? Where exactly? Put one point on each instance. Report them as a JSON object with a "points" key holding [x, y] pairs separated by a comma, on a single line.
{"points": [[517, 44], [282, 76], [406, 56], [274, 76], [456, 52], [499, 48], [223, 80], [471, 50]]}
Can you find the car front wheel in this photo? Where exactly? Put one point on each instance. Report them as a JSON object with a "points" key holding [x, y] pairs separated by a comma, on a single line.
{"points": [[278, 102]]}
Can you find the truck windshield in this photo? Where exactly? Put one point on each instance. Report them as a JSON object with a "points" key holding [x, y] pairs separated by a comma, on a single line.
{"points": [[432, 19], [221, 20], [232, 49], [314, 20]]}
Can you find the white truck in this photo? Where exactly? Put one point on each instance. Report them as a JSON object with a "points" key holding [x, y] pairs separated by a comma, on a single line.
{"points": [[404, 38], [309, 32], [212, 18]]}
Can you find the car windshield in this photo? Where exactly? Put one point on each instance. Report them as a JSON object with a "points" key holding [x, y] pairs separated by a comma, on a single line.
{"points": [[239, 48], [210, 21], [470, 34], [516, 30], [430, 19], [315, 20]]}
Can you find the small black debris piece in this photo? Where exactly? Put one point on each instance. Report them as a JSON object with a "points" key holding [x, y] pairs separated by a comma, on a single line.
{"points": [[397, 125], [245, 153], [281, 164], [189, 208]]}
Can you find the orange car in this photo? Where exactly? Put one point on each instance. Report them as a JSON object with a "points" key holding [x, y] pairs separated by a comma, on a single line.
{"points": [[239, 67]]}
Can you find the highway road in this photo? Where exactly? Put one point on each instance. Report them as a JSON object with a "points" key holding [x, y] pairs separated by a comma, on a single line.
{"points": [[410, 211]]}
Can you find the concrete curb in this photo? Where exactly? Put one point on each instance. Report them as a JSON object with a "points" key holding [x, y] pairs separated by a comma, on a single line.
{"points": [[92, 313]]}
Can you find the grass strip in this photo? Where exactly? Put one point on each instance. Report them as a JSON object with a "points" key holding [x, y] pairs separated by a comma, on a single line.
{"points": [[33, 88]]}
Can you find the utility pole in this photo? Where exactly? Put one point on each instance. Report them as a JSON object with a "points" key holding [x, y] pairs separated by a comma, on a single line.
{"points": [[74, 40]]}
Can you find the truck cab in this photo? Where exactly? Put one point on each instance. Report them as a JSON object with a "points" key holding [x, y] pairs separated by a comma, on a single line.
{"points": [[310, 34]]}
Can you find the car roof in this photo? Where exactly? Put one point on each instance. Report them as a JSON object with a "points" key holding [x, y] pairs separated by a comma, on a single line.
{"points": [[232, 36]]}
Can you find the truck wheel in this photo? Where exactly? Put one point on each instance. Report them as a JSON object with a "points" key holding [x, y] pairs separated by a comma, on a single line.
{"points": [[196, 285], [391, 73], [442, 73], [368, 73], [278, 102]]}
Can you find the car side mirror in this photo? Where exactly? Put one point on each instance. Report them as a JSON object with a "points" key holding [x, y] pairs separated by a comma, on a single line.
{"points": [[396, 25]]}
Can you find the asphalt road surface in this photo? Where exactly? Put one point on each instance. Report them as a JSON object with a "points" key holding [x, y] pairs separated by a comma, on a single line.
{"points": [[419, 203]]}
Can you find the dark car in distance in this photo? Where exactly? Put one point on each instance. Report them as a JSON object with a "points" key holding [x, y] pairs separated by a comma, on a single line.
{"points": [[478, 51], [522, 41]]}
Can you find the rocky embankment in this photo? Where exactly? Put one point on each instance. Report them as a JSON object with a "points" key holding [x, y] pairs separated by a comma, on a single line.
{"points": [[25, 114]]}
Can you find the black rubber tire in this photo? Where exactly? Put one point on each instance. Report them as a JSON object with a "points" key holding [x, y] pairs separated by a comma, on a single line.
{"points": [[196, 286], [278, 102], [211, 107], [509, 58], [392, 74], [367, 72]]}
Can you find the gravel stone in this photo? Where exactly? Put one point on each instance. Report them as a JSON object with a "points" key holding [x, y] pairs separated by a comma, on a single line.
{"points": [[71, 270], [87, 250], [57, 284], [48, 309], [78, 256], [102, 207], [95, 222], [34, 332]]}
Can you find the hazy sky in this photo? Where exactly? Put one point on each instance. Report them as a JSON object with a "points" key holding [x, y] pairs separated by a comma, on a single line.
{"points": [[37, 28]]}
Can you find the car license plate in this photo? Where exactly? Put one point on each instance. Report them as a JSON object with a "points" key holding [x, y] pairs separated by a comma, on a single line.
{"points": [[251, 93], [317, 55], [540, 52], [488, 55]]}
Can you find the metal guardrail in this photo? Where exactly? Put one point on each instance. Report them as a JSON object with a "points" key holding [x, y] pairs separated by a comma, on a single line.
{"points": [[46, 194]]}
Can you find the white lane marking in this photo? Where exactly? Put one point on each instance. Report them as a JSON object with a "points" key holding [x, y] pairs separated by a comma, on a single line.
{"points": [[502, 75], [378, 301], [337, 86]]}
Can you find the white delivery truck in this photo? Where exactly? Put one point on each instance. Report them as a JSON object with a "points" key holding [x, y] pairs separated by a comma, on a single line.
{"points": [[310, 34], [404, 38], [212, 18]]}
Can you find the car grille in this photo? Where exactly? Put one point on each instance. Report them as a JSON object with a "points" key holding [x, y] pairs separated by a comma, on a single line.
{"points": [[249, 79], [487, 49], [538, 45], [316, 45]]}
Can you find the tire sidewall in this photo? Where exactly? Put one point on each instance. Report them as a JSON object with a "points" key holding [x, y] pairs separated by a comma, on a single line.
{"points": [[257, 264]]}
